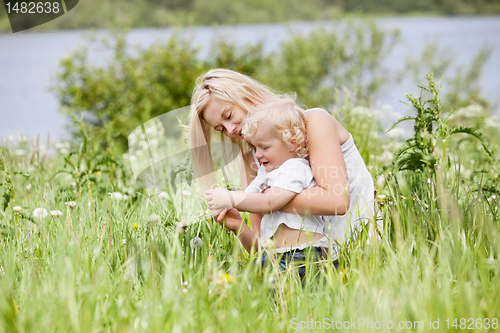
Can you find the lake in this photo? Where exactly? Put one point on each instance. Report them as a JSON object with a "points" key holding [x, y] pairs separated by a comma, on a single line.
{"points": [[29, 60]]}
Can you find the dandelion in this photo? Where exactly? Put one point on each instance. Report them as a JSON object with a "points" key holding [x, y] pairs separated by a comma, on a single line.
{"points": [[29, 187], [55, 213], [179, 226], [124, 242], [186, 194], [380, 181], [195, 243], [70, 204], [136, 226], [163, 196], [117, 196], [382, 199], [154, 218], [40, 213], [17, 209], [226, 278], [269, 244], [89, 205], [125, 197]]}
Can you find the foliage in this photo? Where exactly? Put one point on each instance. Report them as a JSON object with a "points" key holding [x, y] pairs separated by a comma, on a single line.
{"points": [[131, 89], [163, 13], [349, 55], [418, 152], [116, 99]]}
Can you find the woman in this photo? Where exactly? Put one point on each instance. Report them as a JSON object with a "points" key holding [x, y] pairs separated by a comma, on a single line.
{"points": [[345, 191]]}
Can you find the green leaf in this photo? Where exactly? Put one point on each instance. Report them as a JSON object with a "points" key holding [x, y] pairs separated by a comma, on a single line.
{"points": [[6, 199], [400, 121], [475, 133]]}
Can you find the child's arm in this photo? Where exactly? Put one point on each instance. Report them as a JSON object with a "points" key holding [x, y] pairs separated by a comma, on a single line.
{"points": [[272, 200]]}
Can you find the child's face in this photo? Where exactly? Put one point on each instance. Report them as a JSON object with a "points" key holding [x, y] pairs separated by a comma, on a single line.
{"points": [[270, 150]]}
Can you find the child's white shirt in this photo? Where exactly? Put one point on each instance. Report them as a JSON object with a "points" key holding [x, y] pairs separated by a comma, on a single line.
{"points": [[293, 175]]}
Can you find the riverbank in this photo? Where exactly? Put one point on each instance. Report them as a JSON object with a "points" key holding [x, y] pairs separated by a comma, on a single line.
{"points": [[174, 13]]}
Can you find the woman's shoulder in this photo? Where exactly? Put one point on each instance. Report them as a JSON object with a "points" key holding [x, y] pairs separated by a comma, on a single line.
{"points": [[320, 120]]}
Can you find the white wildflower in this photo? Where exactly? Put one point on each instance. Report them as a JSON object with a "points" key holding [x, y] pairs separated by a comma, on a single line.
{"points": [[29, 187], [195, 243], [117, 196], [186, 193], [163, 196], [55, 213], [269, 244], [396, 133], [17, 209], [124, 242], [362, 111], [386, 156], [40, 213], [125, 197], [70, 204], [380, 181], [179, 226]]}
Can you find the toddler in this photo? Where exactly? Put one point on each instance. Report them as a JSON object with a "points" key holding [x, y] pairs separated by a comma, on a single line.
{"points": [[277, 131]]}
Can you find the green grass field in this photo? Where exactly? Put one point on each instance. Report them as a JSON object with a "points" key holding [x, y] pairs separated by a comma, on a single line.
{"points": [[124, 263]]}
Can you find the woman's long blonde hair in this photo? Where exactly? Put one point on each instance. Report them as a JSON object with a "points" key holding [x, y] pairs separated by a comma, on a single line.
{"points": [[227, 86]]}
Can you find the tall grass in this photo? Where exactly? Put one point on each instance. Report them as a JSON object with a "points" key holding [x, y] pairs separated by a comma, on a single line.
{"points": [[128, 265]]}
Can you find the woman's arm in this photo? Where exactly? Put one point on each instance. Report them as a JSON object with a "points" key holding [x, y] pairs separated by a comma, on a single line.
{"points": [[331, 195], [246, 178]]}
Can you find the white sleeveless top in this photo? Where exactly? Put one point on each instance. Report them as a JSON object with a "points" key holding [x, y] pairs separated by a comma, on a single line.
{"points": [[341, 228]]}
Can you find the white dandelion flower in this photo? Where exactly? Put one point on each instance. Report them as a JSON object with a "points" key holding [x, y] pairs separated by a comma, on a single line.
{"points": [[154, 218], [70, 204], [125, 197], [196, 242], [40, 213], [163, 196], [380, 181], [117, 196], [124, 242], [17, 209], [186, 193], [55, 213]]}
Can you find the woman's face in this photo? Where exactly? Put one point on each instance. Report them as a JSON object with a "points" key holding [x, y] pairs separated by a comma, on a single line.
{"points": [[225, 117]]}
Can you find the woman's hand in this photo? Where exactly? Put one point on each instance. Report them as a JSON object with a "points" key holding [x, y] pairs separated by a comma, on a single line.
{"points": [[218, 199]]}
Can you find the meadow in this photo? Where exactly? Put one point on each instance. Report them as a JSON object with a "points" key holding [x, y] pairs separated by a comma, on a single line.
{"points": [[85, 249]]}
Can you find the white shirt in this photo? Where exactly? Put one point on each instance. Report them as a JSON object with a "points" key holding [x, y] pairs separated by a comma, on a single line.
{"points": [[293, 175]]}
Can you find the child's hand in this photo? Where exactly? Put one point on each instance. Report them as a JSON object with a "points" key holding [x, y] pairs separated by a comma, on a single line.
{"points": [[218, 199]]}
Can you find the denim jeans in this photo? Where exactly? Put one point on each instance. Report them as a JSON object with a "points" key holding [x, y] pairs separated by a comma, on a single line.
{"points": [[298, 257]]}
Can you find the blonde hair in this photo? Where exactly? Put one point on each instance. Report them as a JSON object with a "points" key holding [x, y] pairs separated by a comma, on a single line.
{"points": [[227, 86], [286, 118]]}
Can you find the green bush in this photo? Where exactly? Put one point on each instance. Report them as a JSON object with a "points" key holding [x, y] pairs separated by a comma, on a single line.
{"points": [[116, 98]]}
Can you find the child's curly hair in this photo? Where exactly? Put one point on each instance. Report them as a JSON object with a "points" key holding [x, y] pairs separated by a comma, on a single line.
{"points": [[286, 117]]}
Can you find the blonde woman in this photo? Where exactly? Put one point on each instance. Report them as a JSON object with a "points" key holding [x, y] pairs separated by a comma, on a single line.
{"points": [[344, 192]]}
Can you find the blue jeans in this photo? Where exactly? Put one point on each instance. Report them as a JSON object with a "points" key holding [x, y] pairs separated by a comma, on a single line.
{"points": [[298, 257]]}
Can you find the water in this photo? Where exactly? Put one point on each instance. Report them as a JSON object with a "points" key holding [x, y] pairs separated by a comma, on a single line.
{"points": [[29, 60]]}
